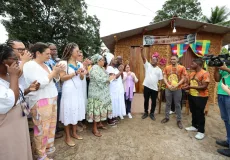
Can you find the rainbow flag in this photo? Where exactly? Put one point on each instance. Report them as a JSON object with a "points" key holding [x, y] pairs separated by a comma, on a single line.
{"points": [[179, 49], [200, 47]]}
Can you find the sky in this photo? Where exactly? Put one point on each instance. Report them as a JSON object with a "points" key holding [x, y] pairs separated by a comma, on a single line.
{"points": [[141, 13]]}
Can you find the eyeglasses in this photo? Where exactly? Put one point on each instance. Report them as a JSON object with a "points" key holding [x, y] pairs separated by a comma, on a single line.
{"points": [[20, 50]]}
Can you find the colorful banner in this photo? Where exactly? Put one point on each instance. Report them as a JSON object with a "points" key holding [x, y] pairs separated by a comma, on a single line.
{"points": [[186, 39], [179, 49], [200, 47]]}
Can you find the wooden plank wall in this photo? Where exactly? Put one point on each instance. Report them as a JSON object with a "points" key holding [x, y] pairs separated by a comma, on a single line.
{"points": [[137, 66]]}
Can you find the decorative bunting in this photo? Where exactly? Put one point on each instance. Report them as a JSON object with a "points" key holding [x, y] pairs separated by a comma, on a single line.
{"points": [[200, 47], [179, 49]]}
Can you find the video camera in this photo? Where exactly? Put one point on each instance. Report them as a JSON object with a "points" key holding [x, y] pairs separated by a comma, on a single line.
{"points": [[217, 61]]}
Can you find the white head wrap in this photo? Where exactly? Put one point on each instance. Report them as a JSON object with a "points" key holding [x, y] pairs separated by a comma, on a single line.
{"points": [[109, 57]]}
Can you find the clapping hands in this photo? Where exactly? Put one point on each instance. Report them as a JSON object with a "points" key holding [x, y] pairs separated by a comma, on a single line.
{"points": [[121, 68], [34, 86], [59, 67], [112, 77], [26, 56]]}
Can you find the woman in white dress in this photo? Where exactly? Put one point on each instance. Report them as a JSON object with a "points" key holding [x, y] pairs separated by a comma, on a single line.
{"points": [[72, 101], [116, 88]]}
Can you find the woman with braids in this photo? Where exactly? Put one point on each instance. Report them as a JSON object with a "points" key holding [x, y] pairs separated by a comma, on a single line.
{"points": [[72, 101], [14, 131], [43, 102], [99, 106], [22, 54]]}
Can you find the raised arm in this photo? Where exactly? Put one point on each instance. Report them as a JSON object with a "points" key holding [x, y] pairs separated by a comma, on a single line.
{"points": [[217, 75], [142, 54]]}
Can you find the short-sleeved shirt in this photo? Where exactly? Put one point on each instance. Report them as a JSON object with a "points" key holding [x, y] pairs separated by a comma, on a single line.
{"points": [[152, 76], [175, 74], [226, 77], [196, 79]]}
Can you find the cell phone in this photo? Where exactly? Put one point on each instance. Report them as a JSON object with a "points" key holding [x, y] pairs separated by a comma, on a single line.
{"points": [[223, 80]]}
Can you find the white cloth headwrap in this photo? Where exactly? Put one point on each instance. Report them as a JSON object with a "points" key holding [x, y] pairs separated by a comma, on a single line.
{"points": [[109, 57]]}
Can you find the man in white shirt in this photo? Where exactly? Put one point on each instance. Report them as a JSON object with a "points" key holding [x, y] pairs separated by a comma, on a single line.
{"points": [[153, 76]]}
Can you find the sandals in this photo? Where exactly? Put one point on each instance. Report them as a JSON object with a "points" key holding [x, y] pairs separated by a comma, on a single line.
{"points": [[78, 138], [97, 134], [71, 144], [102, 127]]}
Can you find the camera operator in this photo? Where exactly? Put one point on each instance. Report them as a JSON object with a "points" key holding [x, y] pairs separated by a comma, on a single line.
{"points": [[222, 75]]}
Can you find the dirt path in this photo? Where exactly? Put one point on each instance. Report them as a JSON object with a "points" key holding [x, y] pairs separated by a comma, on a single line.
{"points": [[137, 139]]}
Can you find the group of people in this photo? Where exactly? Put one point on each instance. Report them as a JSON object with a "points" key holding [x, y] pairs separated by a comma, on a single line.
{"points": [[196, 83], [35, 83]]}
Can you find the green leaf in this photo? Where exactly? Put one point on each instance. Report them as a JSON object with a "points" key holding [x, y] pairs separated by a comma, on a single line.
{"points": [[56, 21]]}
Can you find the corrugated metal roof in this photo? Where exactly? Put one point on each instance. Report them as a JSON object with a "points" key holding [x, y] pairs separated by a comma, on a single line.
{"points": [[190, 24]]}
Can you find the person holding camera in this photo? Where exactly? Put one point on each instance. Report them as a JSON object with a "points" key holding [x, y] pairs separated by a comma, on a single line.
{"points": [[222, 75], [226, 88], [198, 97]]}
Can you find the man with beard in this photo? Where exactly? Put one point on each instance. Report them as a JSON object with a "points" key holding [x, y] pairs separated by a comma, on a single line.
{"points": [[174, 76]]}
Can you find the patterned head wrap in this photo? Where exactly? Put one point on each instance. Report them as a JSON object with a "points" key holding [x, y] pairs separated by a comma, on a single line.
{"points": [[95, 58]]}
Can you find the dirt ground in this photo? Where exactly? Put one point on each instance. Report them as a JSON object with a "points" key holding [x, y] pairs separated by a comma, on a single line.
{"points": [[137, 139]]}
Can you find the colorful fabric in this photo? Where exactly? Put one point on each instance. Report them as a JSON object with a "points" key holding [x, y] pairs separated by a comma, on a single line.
{"points": [[155, 54], [99, 106], [179, 49], [95, 58], [73, 67], [44, 115], [196, 79], [200, 47], [175, 74]]}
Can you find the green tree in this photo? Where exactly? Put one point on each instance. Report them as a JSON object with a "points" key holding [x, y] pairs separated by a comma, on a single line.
{"points": [[187, 9], [57, 21], [219, 16]]}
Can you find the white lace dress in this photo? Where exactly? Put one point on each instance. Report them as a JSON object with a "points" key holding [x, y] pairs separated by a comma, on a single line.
{"points": [[72, 102]]}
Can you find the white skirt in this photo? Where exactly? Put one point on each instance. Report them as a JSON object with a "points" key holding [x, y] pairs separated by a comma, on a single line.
{"points": [[118, 104], [72, 105]]}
